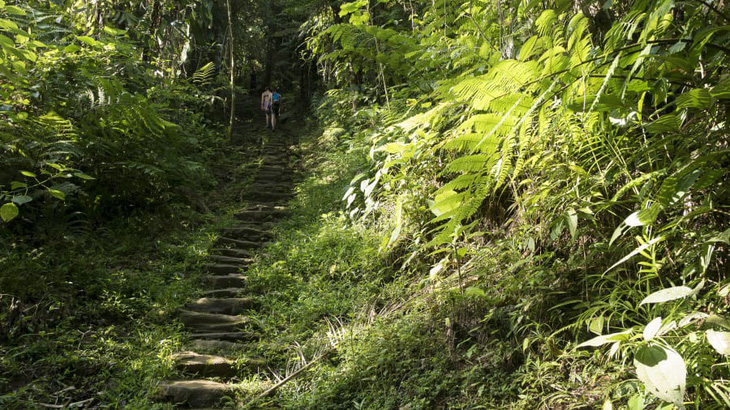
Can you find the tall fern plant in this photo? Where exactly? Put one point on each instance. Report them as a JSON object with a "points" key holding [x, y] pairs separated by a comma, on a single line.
{"points": [[604, 129]]}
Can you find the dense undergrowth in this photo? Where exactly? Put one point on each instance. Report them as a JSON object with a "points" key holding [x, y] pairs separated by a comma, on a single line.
{"points": [[511, 205], [556, 173], [547, 181], [111, 164]]}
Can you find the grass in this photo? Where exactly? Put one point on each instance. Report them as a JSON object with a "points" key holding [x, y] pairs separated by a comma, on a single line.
{"points": [[97, 321]]}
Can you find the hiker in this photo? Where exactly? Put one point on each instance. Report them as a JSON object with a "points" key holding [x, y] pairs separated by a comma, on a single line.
{"points": [[275, 108], [267, 106]]}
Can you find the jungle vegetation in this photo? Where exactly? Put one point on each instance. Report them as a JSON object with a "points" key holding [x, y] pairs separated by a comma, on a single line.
{"points": [[501, 203]]}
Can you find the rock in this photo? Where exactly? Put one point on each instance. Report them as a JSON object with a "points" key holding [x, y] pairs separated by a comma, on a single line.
{"points": [[204, 365], [212, 322], [268, 196], [205, 345], [269, 208], [246, 232], [224, 293], [257, 215], [238, 243], [227, 281], [233, 253], [227, 336], [200, 393], [274, 168], [222, 269], [231, 260], [228, 306]]}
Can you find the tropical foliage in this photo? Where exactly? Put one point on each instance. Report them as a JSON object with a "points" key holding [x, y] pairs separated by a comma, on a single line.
{"points": [[504, 204], [584, 142]]}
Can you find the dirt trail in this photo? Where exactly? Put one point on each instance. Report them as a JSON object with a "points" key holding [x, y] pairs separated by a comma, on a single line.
{"points": [[216, 321]]}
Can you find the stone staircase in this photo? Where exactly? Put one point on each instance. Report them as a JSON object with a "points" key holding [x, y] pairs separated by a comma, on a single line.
{"points": [[216, 321]]}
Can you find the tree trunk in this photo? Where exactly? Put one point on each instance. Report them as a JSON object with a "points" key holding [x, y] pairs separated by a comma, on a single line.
{"points": [[232, 69]]}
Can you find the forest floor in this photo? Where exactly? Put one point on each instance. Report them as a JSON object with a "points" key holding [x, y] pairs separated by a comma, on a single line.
{"points": [[176, 287], [265, 295]]}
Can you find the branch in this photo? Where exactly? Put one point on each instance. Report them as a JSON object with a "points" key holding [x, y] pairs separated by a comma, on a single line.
{"points": [[713, 8], [293, 375]]}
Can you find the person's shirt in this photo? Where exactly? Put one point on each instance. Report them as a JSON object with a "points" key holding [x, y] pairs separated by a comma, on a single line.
{"points": [[266, 99], [275, 97]]}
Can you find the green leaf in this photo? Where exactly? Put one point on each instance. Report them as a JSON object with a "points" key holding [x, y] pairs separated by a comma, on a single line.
{"points": [[609, 338], [14, 10], [636, 402], [665, 295], [718, 320], [57, 194], [572, 218], [84, 176], [398, 225], [393, 147], [114, 31], [8, 212], [635, 252], [474, 292], [7, 24], [643, 217], [71, 48], [596, 325], [666, 123], [720, 341], [663, 372], [88, 40], [652, 328], [697, 98], [445, 202], [616, 234], [22, 199], [28, 174]]}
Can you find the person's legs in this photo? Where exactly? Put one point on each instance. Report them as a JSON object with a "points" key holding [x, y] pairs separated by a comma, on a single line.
{"points": [[274, 115]]}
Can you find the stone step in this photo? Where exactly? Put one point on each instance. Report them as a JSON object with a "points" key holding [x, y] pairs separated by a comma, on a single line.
{"points": [[284, 173], [254, 215], [227, 281], [268, 180], [246, 232], [270, 208], [239, 243], [233, 252], [274, 164], [226, 336], [268, 187], [282, 168], [205, 345], [231, 260], [265, 226], [267, 196], [199, 393], [212, 322], [204, 365], [228, 306], [273, 176], [222, 268], [224, 293]]}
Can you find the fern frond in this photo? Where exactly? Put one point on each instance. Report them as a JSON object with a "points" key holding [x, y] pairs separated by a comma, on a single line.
{"points": [[473, 142], [481, 123], [470, 163], [205, 74]]}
